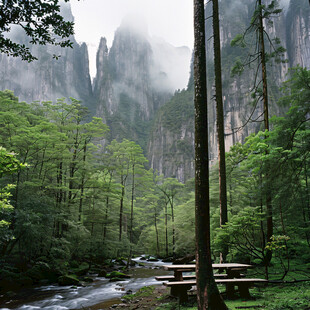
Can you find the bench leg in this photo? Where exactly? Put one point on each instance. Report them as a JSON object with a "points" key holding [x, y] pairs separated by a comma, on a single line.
{"points": [[180, 292], [244, 290], [230, 290], [174, 291]]}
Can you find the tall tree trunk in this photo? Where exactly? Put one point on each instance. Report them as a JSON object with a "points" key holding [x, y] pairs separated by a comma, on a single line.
{"points": [[121, 208], [121, 216], [173, 228], [156, 232], [166, 228], [59, 184], [106, 218], [17, 187], [307, 211], [131, 214], [59, 199], [41, 167], [82, 183], [208, 296], [220, 122], [73, 167], [266, 123], [132, 203], [264, 69], [71, 177]]}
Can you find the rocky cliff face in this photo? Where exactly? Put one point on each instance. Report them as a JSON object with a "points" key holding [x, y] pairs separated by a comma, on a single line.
{"points": [[241, 115], [48, 78], [134, 78], [165, 148], [298, 33], [137, 76], [171, 141], [132, 81]]}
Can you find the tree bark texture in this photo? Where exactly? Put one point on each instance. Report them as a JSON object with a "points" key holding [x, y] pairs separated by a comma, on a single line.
{"points": [[121, 207], [266, 123], [156, 231], [220, 121], [132, 204], [166, 228], [208, 296], [173, 228]]}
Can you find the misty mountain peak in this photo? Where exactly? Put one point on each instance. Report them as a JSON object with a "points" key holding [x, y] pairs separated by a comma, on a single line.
{"points": [[66, 12], [103, 46], [135, 24]]}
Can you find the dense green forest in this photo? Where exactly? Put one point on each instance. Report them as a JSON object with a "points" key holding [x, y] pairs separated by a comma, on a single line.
{"points": [[68, 195], [78, 205]]}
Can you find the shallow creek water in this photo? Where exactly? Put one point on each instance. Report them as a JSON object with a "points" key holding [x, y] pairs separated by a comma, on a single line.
{"points": [[100, 294]]}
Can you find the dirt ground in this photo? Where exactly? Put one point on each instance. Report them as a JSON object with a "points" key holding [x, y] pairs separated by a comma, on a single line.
{"points": [[158, 296]]}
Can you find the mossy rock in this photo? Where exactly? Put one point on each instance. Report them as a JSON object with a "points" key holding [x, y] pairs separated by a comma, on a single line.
{"points": [[117, 274], [95, 270], [82, 270], [152, 259], [102, 273], [40, 271], [168, 260], [68, 280], [121, 262]]}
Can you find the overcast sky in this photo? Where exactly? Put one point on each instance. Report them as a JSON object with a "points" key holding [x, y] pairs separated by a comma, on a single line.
{"points": [[171, 20]]}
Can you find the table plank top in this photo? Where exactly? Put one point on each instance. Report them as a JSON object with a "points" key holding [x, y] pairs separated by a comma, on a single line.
{"points": [[222, 281], [214, 266]]}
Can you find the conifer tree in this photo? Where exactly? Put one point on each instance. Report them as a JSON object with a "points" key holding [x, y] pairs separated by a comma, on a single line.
{"points": [[262, 14], [220, 121], [208, 296]]}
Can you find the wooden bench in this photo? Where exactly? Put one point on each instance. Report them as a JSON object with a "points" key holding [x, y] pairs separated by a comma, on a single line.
{"points": [[181, 287], [190, 277], [172, 278]]}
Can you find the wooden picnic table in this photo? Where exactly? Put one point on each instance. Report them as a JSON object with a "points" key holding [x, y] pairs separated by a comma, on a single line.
{"points": [[180, 284], [232, 269]]}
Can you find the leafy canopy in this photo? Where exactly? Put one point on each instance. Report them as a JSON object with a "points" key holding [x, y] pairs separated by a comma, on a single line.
{"points": [[41, 21]]}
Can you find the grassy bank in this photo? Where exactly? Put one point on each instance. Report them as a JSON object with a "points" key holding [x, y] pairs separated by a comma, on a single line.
{"points": [[292, 296]]}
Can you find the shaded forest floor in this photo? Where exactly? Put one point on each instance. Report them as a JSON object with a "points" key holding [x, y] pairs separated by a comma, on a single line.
{"points": [[273, 297]]}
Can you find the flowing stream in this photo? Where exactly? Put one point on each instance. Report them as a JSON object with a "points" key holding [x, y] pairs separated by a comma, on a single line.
{"points": [[100, 294]]}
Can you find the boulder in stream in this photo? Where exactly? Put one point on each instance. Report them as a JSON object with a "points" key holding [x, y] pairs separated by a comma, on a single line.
{"points": [[82, 270], [168, 260], [152, 259], [68, 280], [117, 276], [102, 273]]}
